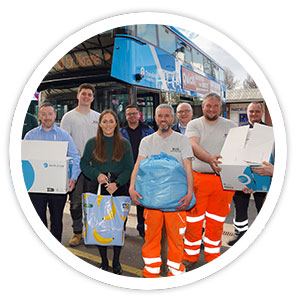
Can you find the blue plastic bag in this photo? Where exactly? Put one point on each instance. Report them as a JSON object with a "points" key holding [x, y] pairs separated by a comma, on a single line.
{"points": [[104, 218], [161, 181]]}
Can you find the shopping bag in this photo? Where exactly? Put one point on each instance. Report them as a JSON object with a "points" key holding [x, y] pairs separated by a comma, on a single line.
{"points": [[161, 181], [104, 218]]}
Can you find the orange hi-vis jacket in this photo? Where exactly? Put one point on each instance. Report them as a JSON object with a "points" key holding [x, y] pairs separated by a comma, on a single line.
{"points": [[175, 224], [212, 205]]}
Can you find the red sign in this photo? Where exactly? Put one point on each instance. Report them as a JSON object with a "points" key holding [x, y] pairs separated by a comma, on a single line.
{"points": [[198, 83]]}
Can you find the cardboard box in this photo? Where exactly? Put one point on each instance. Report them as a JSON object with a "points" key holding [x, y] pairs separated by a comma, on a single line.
{"points": [[46, 167], [243, 149]]}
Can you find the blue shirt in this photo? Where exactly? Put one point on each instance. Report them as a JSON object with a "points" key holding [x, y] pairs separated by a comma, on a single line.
{"points": [[59, 135], [181, 128]]}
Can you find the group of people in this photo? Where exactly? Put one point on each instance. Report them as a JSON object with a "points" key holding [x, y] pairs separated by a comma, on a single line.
{"points": [[107, 155]]}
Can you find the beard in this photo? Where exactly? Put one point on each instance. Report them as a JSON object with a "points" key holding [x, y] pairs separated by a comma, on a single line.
{"points": [[213, 118], [164, 129]]}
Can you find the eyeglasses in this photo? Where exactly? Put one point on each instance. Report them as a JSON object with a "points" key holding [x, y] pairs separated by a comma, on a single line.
{"points": [[183, 111], [132, 114]]}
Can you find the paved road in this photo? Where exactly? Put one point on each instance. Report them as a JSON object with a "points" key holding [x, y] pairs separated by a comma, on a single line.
{"points": [[131, 258]]}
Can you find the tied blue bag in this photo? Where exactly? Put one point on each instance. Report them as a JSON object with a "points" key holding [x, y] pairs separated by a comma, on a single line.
{"points": [[161, 181], [104, 218]]}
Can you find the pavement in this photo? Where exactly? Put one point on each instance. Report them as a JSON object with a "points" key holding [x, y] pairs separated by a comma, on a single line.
{"points": [[131, 256]]}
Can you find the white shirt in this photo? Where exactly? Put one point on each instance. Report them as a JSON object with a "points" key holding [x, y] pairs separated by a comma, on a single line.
{"points": [[81, 127]]}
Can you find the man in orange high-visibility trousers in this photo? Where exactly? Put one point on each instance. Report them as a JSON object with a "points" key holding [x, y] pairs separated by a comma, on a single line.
{"points": [[207, 135], [175, 144]]}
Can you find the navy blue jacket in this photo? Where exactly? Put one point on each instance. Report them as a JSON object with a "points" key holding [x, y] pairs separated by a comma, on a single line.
{"points": [[146, 130]]}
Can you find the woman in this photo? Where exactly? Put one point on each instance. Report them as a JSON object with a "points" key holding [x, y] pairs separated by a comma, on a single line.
{"points": [[108, 160]]}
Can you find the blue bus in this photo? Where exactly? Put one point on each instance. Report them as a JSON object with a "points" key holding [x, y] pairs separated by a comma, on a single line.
{"points": [[144, 64]]}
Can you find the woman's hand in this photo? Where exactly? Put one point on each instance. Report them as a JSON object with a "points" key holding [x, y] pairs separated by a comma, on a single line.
{"points": [[102, 179], [111, 187]]}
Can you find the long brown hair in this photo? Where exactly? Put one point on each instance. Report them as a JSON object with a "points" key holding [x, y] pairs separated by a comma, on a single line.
{"points": [[99, 153]]}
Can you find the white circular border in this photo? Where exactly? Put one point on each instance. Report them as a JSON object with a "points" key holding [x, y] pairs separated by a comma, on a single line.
{"points": [[147, 18]]}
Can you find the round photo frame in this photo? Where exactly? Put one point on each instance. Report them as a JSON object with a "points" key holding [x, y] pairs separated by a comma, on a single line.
{"points": [[148, 18]]}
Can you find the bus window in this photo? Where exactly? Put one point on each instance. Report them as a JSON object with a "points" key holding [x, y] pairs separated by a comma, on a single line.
{"points": [[215, 70], [125, 30], [167, 40], [148, 33], [183, 51], [207, 66], [221, 74], [188, 55], [197, 59]]}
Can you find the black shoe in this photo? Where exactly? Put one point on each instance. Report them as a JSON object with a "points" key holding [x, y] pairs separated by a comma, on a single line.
{"points": [[142, 234], [104, 266], [236, 237], [117, 269]]}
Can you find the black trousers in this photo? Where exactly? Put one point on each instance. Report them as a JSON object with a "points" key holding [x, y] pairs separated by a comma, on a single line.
{"points": [[241, 203], [56, 204], [82, 185]]}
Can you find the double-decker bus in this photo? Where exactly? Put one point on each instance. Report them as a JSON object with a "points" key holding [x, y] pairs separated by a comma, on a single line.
{"points": [[144, 64]]}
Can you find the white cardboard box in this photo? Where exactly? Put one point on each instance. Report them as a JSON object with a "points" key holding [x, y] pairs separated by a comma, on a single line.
{"points": [[243, 149], [46, 167]]}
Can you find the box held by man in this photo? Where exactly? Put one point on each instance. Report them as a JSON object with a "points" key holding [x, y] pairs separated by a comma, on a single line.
{"points": [[46, 167], [245, 148]]}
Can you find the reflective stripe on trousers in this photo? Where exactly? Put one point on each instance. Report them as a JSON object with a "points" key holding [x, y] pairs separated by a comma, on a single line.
{"points": [[212, 205], [175, 224]]}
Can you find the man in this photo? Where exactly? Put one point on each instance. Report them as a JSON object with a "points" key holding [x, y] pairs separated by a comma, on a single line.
{"points": [[177, 145], [184, 114], [134, 132], [255, 113], [48, 131], [207, 135], [82, 124]]}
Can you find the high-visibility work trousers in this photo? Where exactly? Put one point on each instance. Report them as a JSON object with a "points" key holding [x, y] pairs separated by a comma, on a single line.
{"points": [[212, 206], [175, 224]]}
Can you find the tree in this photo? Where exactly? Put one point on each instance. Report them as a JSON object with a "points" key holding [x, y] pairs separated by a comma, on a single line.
{"points": [[249, 83], [230, 82]]}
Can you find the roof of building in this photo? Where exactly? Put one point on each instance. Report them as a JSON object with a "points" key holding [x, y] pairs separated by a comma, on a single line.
{"points": [[243, 95]]}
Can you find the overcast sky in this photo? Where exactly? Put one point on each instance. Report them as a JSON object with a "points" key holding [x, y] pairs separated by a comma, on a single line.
{"points": [[218, 54]]}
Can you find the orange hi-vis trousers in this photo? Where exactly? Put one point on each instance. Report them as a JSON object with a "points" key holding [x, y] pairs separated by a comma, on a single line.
{"points": [[212, 206], [175, 224]]}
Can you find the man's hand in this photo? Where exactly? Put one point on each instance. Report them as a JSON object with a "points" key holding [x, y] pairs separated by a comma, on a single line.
{"points": [[185, 202], [71, 184], [214, 161], [247, 190], [134, 195], [266, 169]]}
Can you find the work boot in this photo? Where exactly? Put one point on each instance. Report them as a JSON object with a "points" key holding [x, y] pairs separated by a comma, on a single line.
{"points": [[188, 264], [75, 239], [237, 236]]}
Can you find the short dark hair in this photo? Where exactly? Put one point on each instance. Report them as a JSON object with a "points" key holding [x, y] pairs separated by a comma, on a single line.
{"points": [[257, 103], [47, 103], [86, 86], [212, 95], [132, 106]]}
